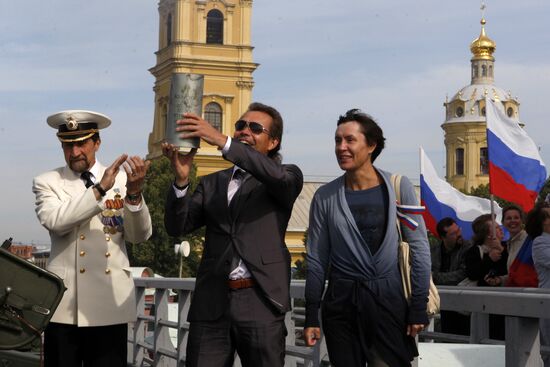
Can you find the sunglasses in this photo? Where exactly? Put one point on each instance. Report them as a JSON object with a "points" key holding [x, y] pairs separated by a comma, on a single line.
{"points": [[255, 127]]}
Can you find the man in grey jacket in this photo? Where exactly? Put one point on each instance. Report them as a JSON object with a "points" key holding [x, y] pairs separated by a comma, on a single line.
{"points": [[448, 268]]}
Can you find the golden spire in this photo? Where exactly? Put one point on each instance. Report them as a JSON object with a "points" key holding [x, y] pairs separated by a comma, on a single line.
{"points": [[483, 47]]}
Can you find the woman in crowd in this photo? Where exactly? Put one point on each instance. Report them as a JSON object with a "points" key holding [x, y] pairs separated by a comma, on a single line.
{"points": [[512, 219], [486, 263], [521, 269], [486, 259], [353, 231], [538, 227]]}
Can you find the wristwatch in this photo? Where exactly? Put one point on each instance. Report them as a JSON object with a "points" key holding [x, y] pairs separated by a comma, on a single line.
{"points": [[100, 189], [133, 198]]}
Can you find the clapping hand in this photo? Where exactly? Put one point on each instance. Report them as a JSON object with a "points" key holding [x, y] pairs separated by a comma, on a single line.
{"points": [[109, 176], [136, 169]]}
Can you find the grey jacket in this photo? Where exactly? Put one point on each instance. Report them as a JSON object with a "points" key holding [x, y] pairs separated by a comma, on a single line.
{"points": [[335, 240]]}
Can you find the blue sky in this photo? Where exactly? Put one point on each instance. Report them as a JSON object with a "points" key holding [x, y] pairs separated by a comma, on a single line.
{"points": [[395, 60]]}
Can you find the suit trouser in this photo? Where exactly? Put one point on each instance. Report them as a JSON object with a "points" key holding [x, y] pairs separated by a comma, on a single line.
{"points": [[94, 346], [251, 327]]}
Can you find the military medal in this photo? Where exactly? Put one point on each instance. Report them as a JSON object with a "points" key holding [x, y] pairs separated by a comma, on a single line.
{"points": [[111, 216]]}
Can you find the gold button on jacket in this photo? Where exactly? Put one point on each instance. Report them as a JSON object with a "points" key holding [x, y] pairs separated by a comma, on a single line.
{"points": [[85, 290]]}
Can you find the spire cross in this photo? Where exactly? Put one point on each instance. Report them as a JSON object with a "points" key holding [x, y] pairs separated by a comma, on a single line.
{"points": [[482, 8]]}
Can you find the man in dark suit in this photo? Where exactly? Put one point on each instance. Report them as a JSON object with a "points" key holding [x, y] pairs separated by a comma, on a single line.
{"points": [[242, 287]]}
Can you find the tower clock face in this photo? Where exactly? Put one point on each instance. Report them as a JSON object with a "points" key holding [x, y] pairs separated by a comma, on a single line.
{"points": [[459, 111]]}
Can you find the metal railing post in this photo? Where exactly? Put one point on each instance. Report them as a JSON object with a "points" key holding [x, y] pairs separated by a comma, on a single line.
{"points": [[139, 328], [184, 301], [291, 336], [479, 327], [522, 342], [161, 336]]}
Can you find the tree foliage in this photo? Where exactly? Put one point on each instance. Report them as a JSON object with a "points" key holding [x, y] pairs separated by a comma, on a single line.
{"points": [[433, 240], [300, 269], [482, 191], [545, 191], [158, 252]]}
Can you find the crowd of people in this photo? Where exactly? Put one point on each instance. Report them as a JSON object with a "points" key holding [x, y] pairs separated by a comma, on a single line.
{"points": [[522, 260], [242, 288]]}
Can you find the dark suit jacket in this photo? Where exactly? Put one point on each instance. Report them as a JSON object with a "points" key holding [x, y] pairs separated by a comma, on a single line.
{"points": [[256, 231]]}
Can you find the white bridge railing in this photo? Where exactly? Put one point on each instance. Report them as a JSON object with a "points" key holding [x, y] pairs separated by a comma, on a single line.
{"points": [[159, 336]]}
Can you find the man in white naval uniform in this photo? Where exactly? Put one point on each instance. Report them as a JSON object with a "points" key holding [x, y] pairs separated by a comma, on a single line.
{"points": [[90, 211]]}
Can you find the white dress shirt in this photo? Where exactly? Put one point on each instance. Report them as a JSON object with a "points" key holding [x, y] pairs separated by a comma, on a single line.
{"points": [[241, 271]]}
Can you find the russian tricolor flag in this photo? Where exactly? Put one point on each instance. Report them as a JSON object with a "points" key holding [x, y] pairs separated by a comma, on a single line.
{"points": [[442, 200], [522, 272], [516, 170]]}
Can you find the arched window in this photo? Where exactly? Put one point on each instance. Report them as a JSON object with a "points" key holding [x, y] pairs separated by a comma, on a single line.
{"points": [[169, 30], [484, 161], [491, 71], [476, 72], [213, 114], [483, 70], [214, 27], [459, 161]]}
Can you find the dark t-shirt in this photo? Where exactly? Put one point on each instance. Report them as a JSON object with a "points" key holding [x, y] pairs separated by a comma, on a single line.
{"points": [[370, 211]]}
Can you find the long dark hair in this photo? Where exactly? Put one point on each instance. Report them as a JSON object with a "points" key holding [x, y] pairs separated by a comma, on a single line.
{"points": [[480, 226]]}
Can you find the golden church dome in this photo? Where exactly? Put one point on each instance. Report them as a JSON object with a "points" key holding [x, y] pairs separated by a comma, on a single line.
{"points": [[483, 47]]}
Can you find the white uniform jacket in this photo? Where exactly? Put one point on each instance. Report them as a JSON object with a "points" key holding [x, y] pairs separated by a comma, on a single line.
{"points": [[92, 263]]}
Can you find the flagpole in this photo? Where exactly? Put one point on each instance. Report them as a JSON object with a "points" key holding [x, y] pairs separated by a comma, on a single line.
{"points": [[421, 159], [493, 219]]}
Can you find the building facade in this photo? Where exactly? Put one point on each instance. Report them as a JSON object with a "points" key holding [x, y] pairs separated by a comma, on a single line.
{"points": [[37, 255], [467, 164], [211, 38]]}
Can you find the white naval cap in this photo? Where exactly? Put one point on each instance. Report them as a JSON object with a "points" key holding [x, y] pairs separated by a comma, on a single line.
{"points": [[77, 125]]}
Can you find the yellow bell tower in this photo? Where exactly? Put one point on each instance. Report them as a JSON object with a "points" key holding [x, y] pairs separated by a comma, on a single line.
{"points": [[212, 38], [465, 123]]}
